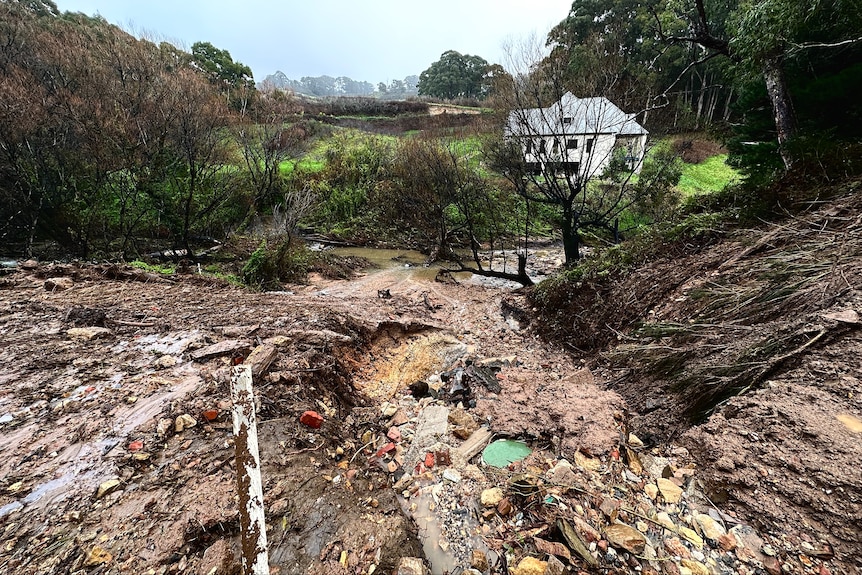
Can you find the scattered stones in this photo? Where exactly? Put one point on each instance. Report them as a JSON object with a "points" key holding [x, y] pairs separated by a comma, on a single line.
{"points": [[463, 423], [97, 556], [479, 561], [710, 528], [58, 284], [530, 566], [452, 475], [626, 537], [311, 419], [108, 487], [491, 497], [676, 548], [671, 492], [695, 567], [183, 422], [412, 566], [88, 333], [562, 473]]}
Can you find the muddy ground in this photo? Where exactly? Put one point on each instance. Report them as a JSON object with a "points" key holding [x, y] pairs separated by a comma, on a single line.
{"points": [[116, 453]]}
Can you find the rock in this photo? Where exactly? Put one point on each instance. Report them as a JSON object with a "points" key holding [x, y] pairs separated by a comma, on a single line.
{"points": [[635, 441], [665, 521], [463, 423], [311, 419], [587, 462], [710, 528], [695, 567], [562, 473], [772, 565], [625, 537], [88, 333], [394, 434], [675, 547], [671, 492], [452, 475], [388, 409], [479, 561], [29, 265], [163, 426], [58, 284], [491, 497], [651, 489], [231, 347], [530, 566], [165, 362], [505, 507], [610, 507], [184, 421], [727, 542], [691, 536], [412, 566], [97, 556], [108, 487], [555, 566]]}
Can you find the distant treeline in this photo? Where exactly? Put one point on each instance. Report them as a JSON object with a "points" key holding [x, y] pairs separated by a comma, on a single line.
{"points": [[327, 86]]}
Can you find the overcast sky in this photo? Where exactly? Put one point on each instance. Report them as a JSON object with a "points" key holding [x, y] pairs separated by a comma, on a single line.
{"points": [[371, 40]]}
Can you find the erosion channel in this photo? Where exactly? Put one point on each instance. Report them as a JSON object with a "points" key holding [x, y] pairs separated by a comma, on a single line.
{"points": [[116, 447]]}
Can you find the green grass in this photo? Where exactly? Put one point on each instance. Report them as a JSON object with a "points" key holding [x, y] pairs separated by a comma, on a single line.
{"points": [[164, 269], [711, 175]]}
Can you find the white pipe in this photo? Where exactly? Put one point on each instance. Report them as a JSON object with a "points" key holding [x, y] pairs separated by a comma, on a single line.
{"points": [[255, 556]]}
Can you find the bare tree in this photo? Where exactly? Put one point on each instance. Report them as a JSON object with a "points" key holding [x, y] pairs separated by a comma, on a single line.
{"points": [[555, 146]]}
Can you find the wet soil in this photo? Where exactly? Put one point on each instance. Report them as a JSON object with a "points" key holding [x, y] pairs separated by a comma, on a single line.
{"points": [[738, 359], [81, 408]]}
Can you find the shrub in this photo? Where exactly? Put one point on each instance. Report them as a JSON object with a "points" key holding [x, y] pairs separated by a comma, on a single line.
{"points": [[267, 268]]}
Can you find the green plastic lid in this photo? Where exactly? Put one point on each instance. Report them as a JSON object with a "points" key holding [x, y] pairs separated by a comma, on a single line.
{"points": [[505, 451]]}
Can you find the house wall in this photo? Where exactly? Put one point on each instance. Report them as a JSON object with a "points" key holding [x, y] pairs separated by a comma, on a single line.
{"points": [[591, 164]]}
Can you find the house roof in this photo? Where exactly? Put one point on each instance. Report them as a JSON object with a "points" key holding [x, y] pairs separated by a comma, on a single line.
{"points": [[575, 116]]}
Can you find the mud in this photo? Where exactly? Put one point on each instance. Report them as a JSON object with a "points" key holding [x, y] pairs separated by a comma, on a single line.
{"points": [[73, 408], [78, 409]]}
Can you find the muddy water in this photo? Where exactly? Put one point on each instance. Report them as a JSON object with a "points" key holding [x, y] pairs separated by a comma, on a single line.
{"points": [[414, 265]]}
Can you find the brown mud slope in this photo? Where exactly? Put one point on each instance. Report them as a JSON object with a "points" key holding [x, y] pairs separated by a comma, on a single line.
{"points": [[116, 449], [749, 353]]}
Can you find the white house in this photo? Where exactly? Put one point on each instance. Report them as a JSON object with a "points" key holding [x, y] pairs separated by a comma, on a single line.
{"points": [[577, 135]]}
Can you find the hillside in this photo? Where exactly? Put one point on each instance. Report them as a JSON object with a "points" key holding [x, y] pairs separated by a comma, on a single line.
{"points": [[744, 347]]}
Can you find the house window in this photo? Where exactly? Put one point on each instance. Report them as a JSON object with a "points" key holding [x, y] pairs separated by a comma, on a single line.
{"points": [[528, 147], [542, 148], [572, 144], [556, 147], [589, 145], [567, 120]]}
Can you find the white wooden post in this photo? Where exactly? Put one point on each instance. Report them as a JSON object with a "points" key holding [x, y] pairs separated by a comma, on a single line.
{"points": [[255, 556]]}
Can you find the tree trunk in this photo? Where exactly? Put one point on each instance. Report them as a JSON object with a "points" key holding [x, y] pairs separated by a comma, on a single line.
{"points": [[782, 107], [571, 239]]}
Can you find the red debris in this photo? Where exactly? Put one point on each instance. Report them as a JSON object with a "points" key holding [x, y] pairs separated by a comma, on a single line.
{"points": [[429, 460], [312, 419], [385, 449], [136, 446], [210, 414], [394, 434]]}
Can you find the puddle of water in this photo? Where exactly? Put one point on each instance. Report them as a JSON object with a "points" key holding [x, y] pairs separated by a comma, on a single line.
{"points": [[423, 509]]}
